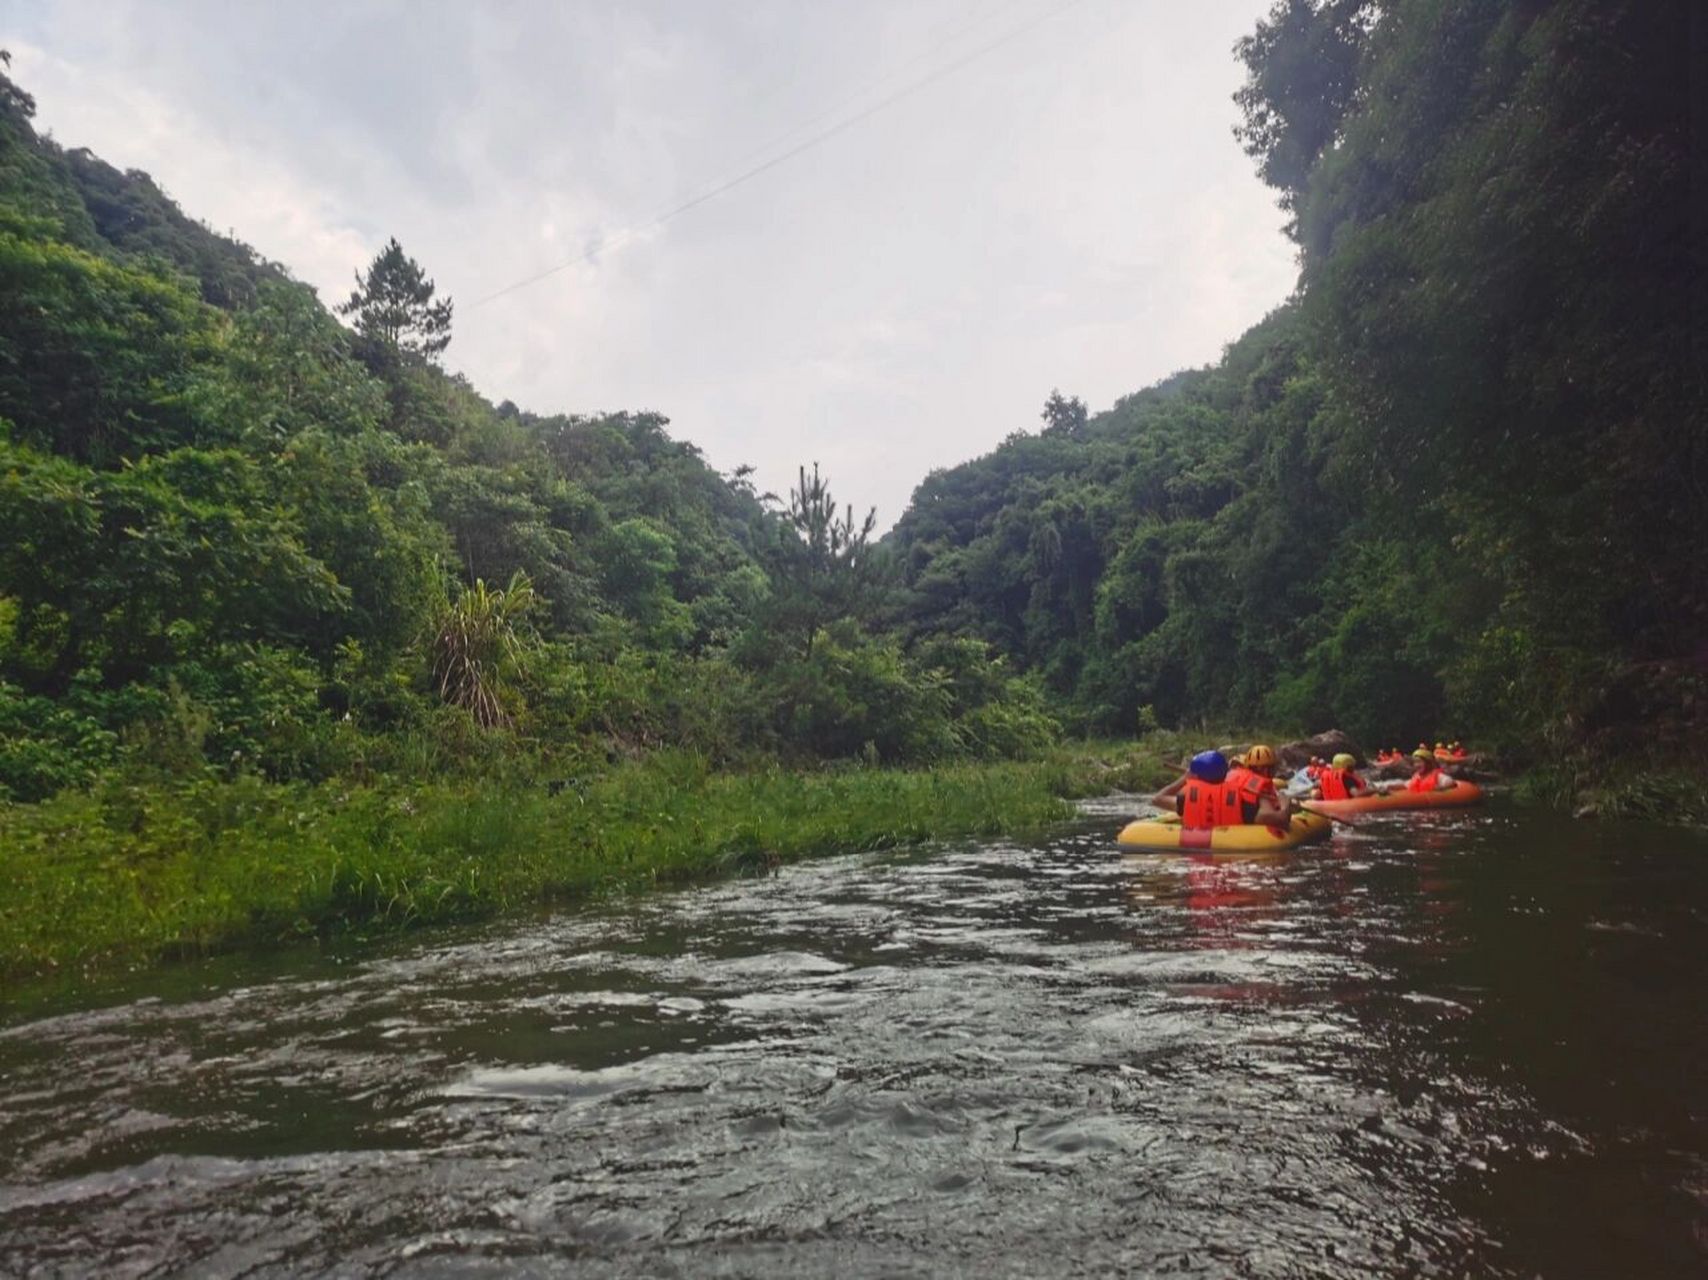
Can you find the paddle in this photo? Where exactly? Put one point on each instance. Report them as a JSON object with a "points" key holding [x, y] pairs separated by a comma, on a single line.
{"points": [[1307, 807]]}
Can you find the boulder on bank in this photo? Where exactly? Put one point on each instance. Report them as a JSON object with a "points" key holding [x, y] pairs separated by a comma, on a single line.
{"points": [[1328, 744]]}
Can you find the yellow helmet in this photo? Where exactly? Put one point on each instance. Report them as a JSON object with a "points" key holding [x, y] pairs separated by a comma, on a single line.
{"points": [[1343, 761], [1423, 753], [1260, 757]]}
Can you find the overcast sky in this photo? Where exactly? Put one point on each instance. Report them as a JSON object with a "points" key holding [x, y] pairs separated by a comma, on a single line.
{"points": [[1054, 199]]}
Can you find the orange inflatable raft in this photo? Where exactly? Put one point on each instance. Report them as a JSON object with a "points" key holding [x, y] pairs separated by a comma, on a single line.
{"points": [[1460, 794]]}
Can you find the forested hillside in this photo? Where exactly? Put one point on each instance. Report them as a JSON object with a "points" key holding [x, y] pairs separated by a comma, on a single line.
{"points": [[238, 536], [1454, 485], [1450, 487]]}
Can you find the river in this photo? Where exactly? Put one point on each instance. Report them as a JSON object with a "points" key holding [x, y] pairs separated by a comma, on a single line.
{"points": [[1445, 1045]]}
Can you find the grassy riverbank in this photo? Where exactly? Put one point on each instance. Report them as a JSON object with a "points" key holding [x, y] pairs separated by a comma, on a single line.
{"points": [[131, 875]]}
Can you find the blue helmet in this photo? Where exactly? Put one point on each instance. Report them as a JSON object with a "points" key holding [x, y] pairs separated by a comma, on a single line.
{"points": [[1209, 766]]}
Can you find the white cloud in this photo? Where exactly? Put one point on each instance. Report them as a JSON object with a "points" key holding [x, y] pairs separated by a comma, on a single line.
{"points": [[1067, 210], [232, 189]]}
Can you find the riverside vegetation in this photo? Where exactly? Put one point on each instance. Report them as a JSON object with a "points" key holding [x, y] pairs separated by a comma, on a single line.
{"points": [[132, 874], [128, 874], [299, 630], [1456, 483]]}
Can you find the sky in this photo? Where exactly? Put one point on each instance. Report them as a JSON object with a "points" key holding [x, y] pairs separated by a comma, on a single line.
{"points": [[987, 199]]}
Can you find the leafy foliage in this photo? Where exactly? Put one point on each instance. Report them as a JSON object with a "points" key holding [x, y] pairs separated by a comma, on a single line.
{"points": [[1448, 487], [1453, 484], [237, 537], [476, 646]]}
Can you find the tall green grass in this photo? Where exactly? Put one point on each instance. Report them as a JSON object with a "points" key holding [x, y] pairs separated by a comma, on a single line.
{"points": [[134, 873], [127, 875]]}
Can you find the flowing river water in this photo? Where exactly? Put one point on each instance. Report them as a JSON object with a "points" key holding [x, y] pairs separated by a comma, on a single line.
{"points": [[1473, 1044]]}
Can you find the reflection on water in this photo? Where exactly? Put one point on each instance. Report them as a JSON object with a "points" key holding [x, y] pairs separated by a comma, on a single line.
{"points": [[1464, 1044]]}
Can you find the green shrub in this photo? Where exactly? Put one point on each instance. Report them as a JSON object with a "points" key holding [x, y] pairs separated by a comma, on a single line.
{"points": [[47, 745]]}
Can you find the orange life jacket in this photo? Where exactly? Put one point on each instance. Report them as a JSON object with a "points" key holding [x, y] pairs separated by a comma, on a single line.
{"points": [[1209, 804], [1335, 783], [1428, 780], [1251, 785]]}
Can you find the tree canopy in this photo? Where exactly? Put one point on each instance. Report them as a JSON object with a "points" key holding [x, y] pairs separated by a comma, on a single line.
{"points": [[393, 304], [238, 536], [1452, 485]]}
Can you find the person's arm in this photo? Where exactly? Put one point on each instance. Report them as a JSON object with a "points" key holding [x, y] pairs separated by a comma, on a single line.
{"points": [[1356, 785], [1273, 811], [1164, 799]]}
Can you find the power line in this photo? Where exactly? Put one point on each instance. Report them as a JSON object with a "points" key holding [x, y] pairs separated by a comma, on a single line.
{"points": [[980, 18], [823, 135]]}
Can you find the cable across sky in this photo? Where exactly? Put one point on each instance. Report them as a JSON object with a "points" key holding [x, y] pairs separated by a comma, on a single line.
{"points": [[816, 139]]}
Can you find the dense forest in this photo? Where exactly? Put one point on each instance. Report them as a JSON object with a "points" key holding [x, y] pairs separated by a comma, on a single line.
{"points": [[1453, 485], [237, 535], [1449, 486]]}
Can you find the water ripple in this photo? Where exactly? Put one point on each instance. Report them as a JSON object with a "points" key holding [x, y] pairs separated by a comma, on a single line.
{"points": [[1431, 1050]]}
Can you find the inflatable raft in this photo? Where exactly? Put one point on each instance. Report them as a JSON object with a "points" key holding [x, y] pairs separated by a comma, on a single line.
{"points": [[1166, 835], [1461, 793]]}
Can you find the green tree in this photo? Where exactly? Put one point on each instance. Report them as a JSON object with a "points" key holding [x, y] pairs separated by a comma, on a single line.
{"points": [[822, 562], [637, 560], [288, 368], [96, 359], [1503, 278], [13, 100], [1064, 414], [126, 570], [393, 305], [1302, 67]]}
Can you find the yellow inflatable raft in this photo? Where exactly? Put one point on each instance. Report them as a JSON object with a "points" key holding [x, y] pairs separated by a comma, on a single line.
{"points": [[1166, 835]]}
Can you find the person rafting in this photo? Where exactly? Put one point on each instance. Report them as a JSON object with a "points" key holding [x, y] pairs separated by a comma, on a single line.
{"points": [[1339, 782], [1255, 781], [1426, 774], [1202, 795]]}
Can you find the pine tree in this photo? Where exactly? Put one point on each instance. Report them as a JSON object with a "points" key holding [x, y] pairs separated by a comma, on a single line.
{"points": [[822, 565], [393, 305]]}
